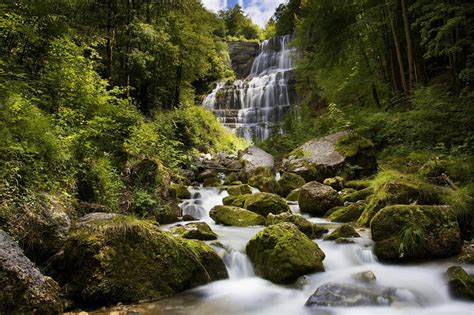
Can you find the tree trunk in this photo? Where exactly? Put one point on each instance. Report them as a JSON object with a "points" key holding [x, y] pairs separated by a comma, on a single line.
{"points": [[177, 89], [406, 22], [109, 42], [399, 55]]}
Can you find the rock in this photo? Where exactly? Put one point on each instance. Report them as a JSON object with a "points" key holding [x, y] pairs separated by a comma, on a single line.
{"points": [[343, 231], [236, 190], [293, 195], [235, 216], [281, 253], [347, 213], [326, 157], [254, 157], [357, 184], [24, 290], [460, 283], [231, 178], [208, 173], [316, 198], [310, 229], [289, 182], [180, 191], [395, 188], [188, 217], [344, 295], [335, 182], [236, 201], [413, 232], [365, 277], [195, 230], [242, 55], [193, 211], [211, 182], [168, 213], [264, 203], [362, 194], [263, 178], [344, 240], [123, 259]]}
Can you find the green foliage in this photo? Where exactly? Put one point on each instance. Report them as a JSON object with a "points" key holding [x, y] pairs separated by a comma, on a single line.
{"points": [[143, 202], [412, 241], [285, 17], [238, 25]]}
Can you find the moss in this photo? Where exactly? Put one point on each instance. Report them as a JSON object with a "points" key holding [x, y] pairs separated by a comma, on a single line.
{"points": [[264, 203], [235, 216], [236, 190], [347, 213], [211, 182], [362, 194], [460, 283], [300, 153], [343, 231], [289, 182], [195, 230], [317, 199], [281, 253], [351, 144], [180, 191], [231, 178], [236, 201], [308, 228], [263, 178], [167, 213], [414, 232], [358, 184], [336, 182], [293, 195]]}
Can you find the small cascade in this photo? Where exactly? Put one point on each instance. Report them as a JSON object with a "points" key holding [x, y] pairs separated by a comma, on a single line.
{"points": [[238, 265], [366, 256], [253, 106]]}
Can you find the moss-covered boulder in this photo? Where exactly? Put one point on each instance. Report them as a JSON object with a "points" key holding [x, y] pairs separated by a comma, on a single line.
{"points": [[317, 198], [343, 231], [116, 258], [236, 201], [289, 182], [236, 190], [281, 253], [167, 213], [362, 194], [195, 230], [293, 195], [235, 216], [253, 158], [232, 178], [180, 191], [24, 290], [392, 188], [208, 173], [264, 203], [263, 178], [348, 213], [336, 182], [414, 232], [460, 283], [310, 229], [211, 182]]}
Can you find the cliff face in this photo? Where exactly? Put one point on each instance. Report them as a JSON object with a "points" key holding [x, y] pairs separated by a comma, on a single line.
{"points": [[242, 55]]}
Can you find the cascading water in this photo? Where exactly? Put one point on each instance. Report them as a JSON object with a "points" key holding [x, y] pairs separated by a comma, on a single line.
{"points": [[253, 106]]}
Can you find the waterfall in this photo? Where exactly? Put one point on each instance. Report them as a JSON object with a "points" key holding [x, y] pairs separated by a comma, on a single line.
{"points": [[238, 265], [254, 105]]}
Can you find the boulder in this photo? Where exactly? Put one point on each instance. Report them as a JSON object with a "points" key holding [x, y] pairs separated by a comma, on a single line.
{"points": [[317, 199], [211, 182], [414, 232], [254, 157], [195, 230], [460, 283], [335, 182], [310, 229], [236, 190], [365, 277], [242, 55], [281, 253], [167, 213], [263, 178], [327, 157], [264, 203], [236, 201], [24, 290], [180, 191], [229, 215], [289, 182], [362, 194], [118, 258], [343, 231], [348, 213], [293, 195]]}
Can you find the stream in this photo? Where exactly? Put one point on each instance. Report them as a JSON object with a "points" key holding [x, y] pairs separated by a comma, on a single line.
{"points": [[423, 285]]}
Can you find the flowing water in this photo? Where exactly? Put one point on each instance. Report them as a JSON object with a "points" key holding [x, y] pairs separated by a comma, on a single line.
{"points": [[422, 285], [254, 105]]}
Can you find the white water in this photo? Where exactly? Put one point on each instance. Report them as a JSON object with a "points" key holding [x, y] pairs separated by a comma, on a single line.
{"points": [[252, 106]]}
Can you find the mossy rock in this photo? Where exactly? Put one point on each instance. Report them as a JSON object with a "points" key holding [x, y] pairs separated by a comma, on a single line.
{"points": [[263, 178], [351, 144], [336, 182], [195, 230], [414, 232], [343, 231], [460, 283], [118, 258], [281, 253], [362, 194], [289, 182], [206, 174], [235, 216], [317, 199], [392, 188], [180, 191], [264, 203], [242, 189], [357, 184], [211, 182], [236, 201], [167, 213], [310, 229], [293, 195], [347, 213], [231, 178]]}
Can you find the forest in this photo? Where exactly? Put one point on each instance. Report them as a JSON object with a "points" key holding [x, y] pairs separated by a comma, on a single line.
{"points": [[160, 153]]}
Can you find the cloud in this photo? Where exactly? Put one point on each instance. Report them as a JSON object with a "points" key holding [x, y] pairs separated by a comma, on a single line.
{"points": [[215, 5], [260, 11]]}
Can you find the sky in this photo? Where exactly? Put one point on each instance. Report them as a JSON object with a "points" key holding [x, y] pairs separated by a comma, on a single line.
{"points": [[260, 11]]}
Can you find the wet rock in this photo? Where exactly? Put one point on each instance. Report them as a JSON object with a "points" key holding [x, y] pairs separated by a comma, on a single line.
{"points": [[24, 290], [196, 230], [187, 217], [343, 231], [317, 199], [242, 55], [211, 182], [263, 178], [180, 191], [344, 240], [236, 201], [347, 213], [413, 232], [460, 283], [254, 157], [365, 277], [265, 203], [310, 229], [236, 190], [194, 211], [235, 216], [289, 182], [337, 295], [335, 182], [123, 259], [359, 195], [281, 253]]}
